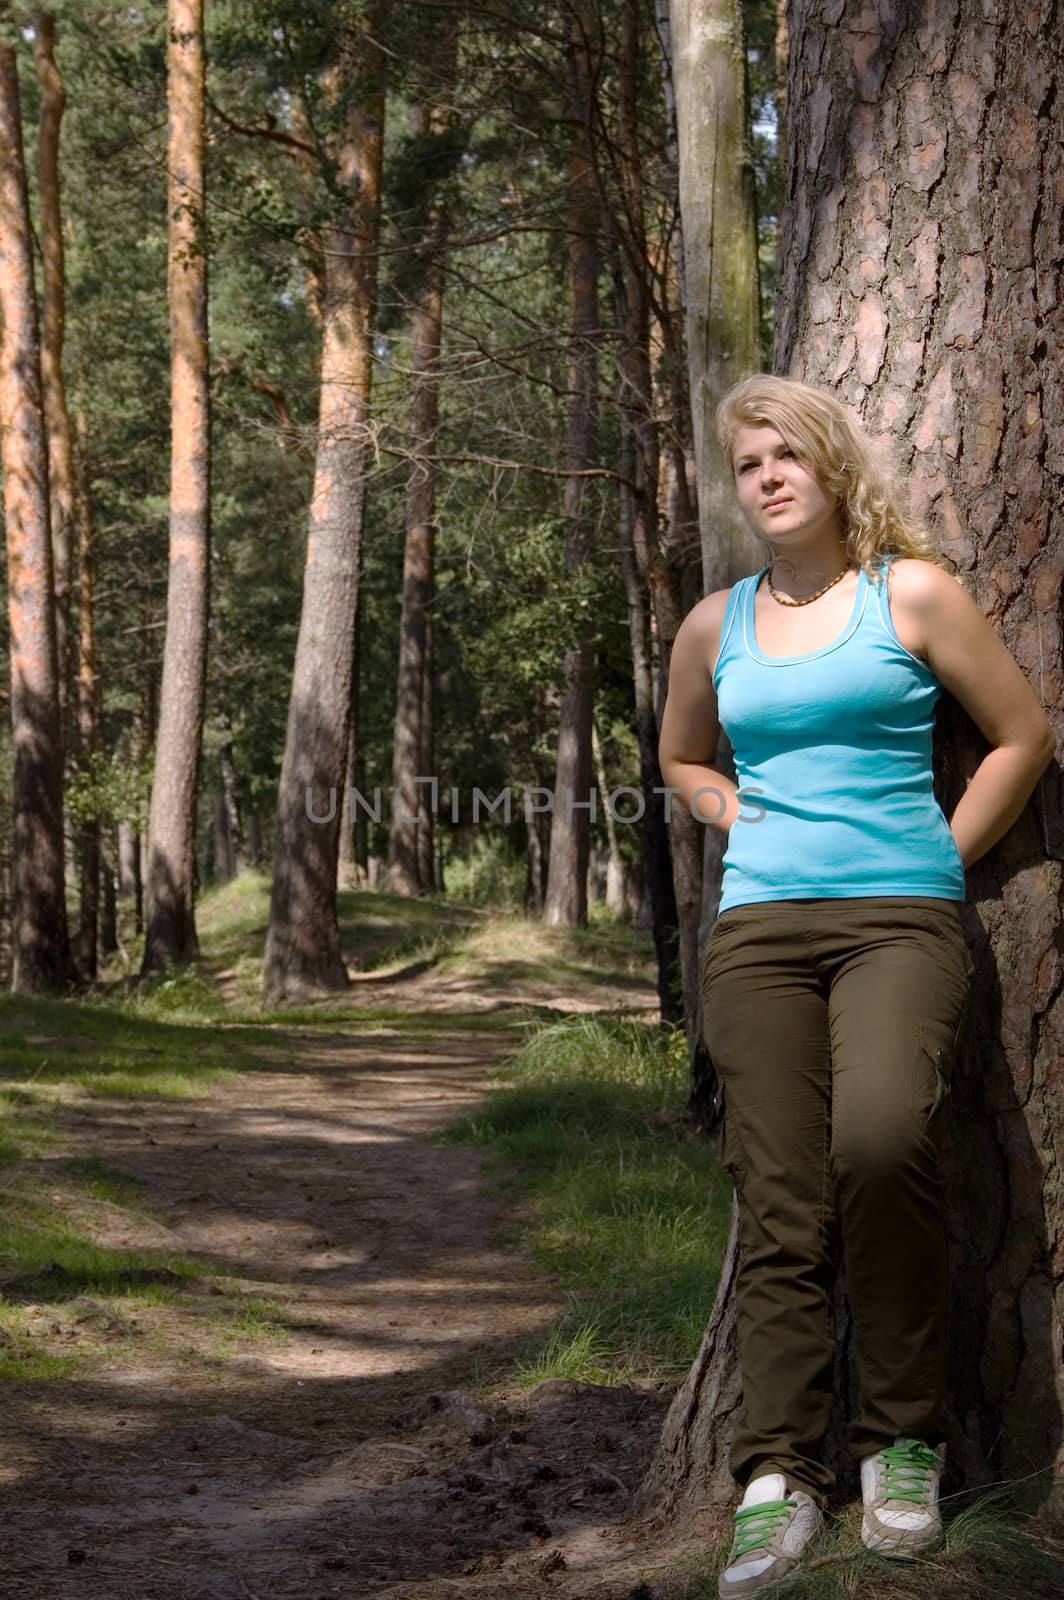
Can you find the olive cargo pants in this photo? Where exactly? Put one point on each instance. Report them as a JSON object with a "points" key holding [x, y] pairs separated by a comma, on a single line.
{"points": [[833, 1025]]}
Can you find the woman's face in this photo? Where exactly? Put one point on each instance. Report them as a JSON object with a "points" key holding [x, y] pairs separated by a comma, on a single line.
{"points": [[766, 471]]}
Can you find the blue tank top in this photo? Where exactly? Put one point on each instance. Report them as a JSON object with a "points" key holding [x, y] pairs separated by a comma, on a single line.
{"points": [[833, 762]]}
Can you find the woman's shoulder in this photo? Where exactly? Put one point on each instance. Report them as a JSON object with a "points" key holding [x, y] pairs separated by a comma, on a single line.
{"points": [[706, 616], [920, 582]]}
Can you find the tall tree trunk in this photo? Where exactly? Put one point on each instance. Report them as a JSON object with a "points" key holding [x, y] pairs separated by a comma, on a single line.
{"points": [[60, 446], [615, 871], [88, 703], [426, 831], [657, 858], [171, 930], [108, 895], [303, 943], [41, 950], [565, 904], [407, 852], [234, 824], [641, 542], [920, 253], [352, 870], [701, 124]]}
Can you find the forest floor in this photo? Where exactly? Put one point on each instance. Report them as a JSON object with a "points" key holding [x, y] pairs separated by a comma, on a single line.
{"points": [[316, 1404], [276, 1323]]}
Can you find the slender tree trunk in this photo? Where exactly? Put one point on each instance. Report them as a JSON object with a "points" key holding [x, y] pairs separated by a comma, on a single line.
{"points": [[408, 853], [60, 446], [614, 859], [641, 541], [171, 931], [722, 308], [303, 944], [426, 832], [657, 859], [404, 853], [921, 246], [570, 837], [142, 737], [233, 822], [88, 703], [41, 948], [108, 896]]}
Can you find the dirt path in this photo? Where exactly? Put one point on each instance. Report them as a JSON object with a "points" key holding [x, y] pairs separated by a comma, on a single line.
{"points": [[351, 1459]]}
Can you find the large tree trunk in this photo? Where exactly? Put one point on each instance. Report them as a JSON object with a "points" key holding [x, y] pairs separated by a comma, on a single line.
{"points": [[303, 944], [565, 903], [41, 951], [409, 854], [921, 250], [170, 935]]}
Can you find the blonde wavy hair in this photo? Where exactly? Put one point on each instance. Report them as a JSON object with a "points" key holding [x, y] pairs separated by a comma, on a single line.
{"points": [[829, 441]]}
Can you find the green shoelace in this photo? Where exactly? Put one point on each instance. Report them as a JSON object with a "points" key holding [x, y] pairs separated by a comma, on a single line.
{"points": [[907, 1470], [755, 1526]]}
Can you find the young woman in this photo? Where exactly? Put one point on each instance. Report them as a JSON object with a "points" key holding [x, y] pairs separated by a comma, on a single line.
{"points": [[837, 974]]}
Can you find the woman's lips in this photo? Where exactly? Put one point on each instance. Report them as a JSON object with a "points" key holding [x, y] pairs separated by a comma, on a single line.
{"points": [[774, 505]]}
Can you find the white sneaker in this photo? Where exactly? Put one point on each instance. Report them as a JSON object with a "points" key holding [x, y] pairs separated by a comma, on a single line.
{"points": [[772, 1528], [899, 1486]]}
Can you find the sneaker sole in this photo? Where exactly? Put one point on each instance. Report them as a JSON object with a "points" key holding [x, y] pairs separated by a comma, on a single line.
{"points": [[768, 1588], [905, 1549]]}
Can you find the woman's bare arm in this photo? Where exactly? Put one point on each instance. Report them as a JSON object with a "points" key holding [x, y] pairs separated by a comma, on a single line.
{"points": [[690, 728], [967, 656]]}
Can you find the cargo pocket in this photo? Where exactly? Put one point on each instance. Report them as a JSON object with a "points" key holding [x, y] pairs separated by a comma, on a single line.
{"points": [[932, 1071], [731, 1157]]}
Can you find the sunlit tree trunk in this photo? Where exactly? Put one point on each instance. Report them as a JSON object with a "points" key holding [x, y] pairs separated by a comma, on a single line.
{"points": [[41, 957], [565, 903], [170, 935], [920, 253], [303, 943]]}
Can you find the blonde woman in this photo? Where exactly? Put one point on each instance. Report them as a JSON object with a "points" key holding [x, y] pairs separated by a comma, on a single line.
{"points": [[837, 974]]}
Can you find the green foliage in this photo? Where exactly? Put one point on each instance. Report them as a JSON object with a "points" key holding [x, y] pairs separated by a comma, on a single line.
{"points": [[507, 606], [107, 785]]}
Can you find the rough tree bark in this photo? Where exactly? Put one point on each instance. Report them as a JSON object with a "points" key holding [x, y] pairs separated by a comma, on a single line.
{"points": [[409, 852], [922, 258], [565, 902], [40, 943], [170, 933], [303, 943]]}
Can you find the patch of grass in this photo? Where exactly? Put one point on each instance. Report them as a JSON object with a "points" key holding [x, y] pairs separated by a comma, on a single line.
{"points": [[43, 1254], [154, 1084], [102, 1181], [20, 1357], [626, 1208], [249, 1317]]}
